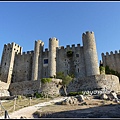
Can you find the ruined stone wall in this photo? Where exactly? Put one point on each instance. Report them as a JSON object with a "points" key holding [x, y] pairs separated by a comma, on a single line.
{"points": [[74, 64], [108, 82], [112, 60], [23, 67], [30, 87], [52, 88], [24, 87], [4, 89]]}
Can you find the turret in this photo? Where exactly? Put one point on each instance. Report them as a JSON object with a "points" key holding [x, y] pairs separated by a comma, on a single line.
{"points": [[90, 54], [7, 61], [53, 44], [37, 52]]}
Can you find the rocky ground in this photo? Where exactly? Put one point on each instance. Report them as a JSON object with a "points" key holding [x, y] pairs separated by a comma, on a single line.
{"points": [[88, 108], [72, 107]]}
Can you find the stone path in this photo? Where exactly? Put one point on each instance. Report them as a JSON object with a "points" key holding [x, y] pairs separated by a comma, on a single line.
{"points": [[28, 111]]}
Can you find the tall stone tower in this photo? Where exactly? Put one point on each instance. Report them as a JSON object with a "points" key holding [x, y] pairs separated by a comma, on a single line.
{"points": [[53, 44], [38, 49], [90, 53], [7, 61]]}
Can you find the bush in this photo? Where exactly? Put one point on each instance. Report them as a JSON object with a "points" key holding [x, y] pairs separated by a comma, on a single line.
{"points": [[75, 93], [45, 80], [102, 70], [38, 95], [69, 53], [111, 71]]}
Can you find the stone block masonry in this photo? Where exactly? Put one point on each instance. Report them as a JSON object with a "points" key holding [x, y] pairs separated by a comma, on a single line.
{"points": [[23, 72]]}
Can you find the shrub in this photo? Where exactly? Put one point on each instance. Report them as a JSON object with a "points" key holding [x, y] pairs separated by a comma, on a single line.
{"points": [[45, 80], [69, 53], [75, 93], [111, 71], [38, 95], [102, 70]]}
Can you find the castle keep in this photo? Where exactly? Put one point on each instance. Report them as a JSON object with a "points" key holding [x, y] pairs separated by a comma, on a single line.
{"points": [[22, 71], [34, 65]]}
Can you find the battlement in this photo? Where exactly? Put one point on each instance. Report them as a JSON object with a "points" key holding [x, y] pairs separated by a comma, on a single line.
{"points": [[28, 52], [69, 47], [111, 53], [87, 33], [53, 38], [9, 46], [46, 49]]}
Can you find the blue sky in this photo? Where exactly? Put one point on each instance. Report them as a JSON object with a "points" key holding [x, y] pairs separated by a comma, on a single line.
{"points": [[25, 22]]}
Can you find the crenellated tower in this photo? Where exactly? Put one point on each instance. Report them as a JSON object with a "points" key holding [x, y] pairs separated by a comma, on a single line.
{"points": [[7, 61], [90, 53], [53, 44], [38, 49]]}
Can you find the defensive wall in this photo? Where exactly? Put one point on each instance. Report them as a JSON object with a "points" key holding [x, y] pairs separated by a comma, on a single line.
{"points": [[112, 60], [31, 87], [95, 82]]}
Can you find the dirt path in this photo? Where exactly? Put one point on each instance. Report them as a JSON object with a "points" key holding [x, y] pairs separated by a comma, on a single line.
{"points": [[94, 108], [28, 111]]}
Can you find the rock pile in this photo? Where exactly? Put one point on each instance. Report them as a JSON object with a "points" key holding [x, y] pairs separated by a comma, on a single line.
{"points": [[70, 101], [73, 100], [111, 96]]}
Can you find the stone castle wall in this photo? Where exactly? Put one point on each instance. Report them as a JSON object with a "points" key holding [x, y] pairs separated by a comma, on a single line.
{"points": [[4, 89], [33, 66], [74, 64], [30, 87], [108, 82], [112, 60], [22, 70], [7, 61], [24, 87], [90, 54]]}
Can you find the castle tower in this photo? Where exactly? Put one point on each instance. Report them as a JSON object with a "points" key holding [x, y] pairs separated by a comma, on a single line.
{"points": [[37, 52], [7, 61], [90, 54], [53, 44], [40, 60]]}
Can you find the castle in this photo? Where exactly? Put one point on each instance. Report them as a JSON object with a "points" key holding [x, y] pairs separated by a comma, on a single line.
{"points": [[28, 68]]}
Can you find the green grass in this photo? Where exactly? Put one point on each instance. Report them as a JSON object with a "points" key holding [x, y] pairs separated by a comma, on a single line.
{"points": [[20, 103]]}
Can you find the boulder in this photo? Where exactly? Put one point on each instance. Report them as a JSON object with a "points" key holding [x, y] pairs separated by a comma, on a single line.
{"points": [[104, 96], [80, 98], [70, 101], [113, 96]]}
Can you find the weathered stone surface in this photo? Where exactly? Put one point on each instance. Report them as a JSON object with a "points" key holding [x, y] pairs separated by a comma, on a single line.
{"points": [[80, 98], [112, 96], [52, 88], [24, 88], [106, 83], [4, 89], [30, 87], [70, 101], [104, 96]]}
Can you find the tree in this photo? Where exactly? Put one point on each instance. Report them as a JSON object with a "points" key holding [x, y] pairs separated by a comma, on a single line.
{"points": [[102, 69], [65, 80]]}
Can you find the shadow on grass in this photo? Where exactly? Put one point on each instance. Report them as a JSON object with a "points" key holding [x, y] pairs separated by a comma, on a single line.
{"points": [[106, 111]]}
